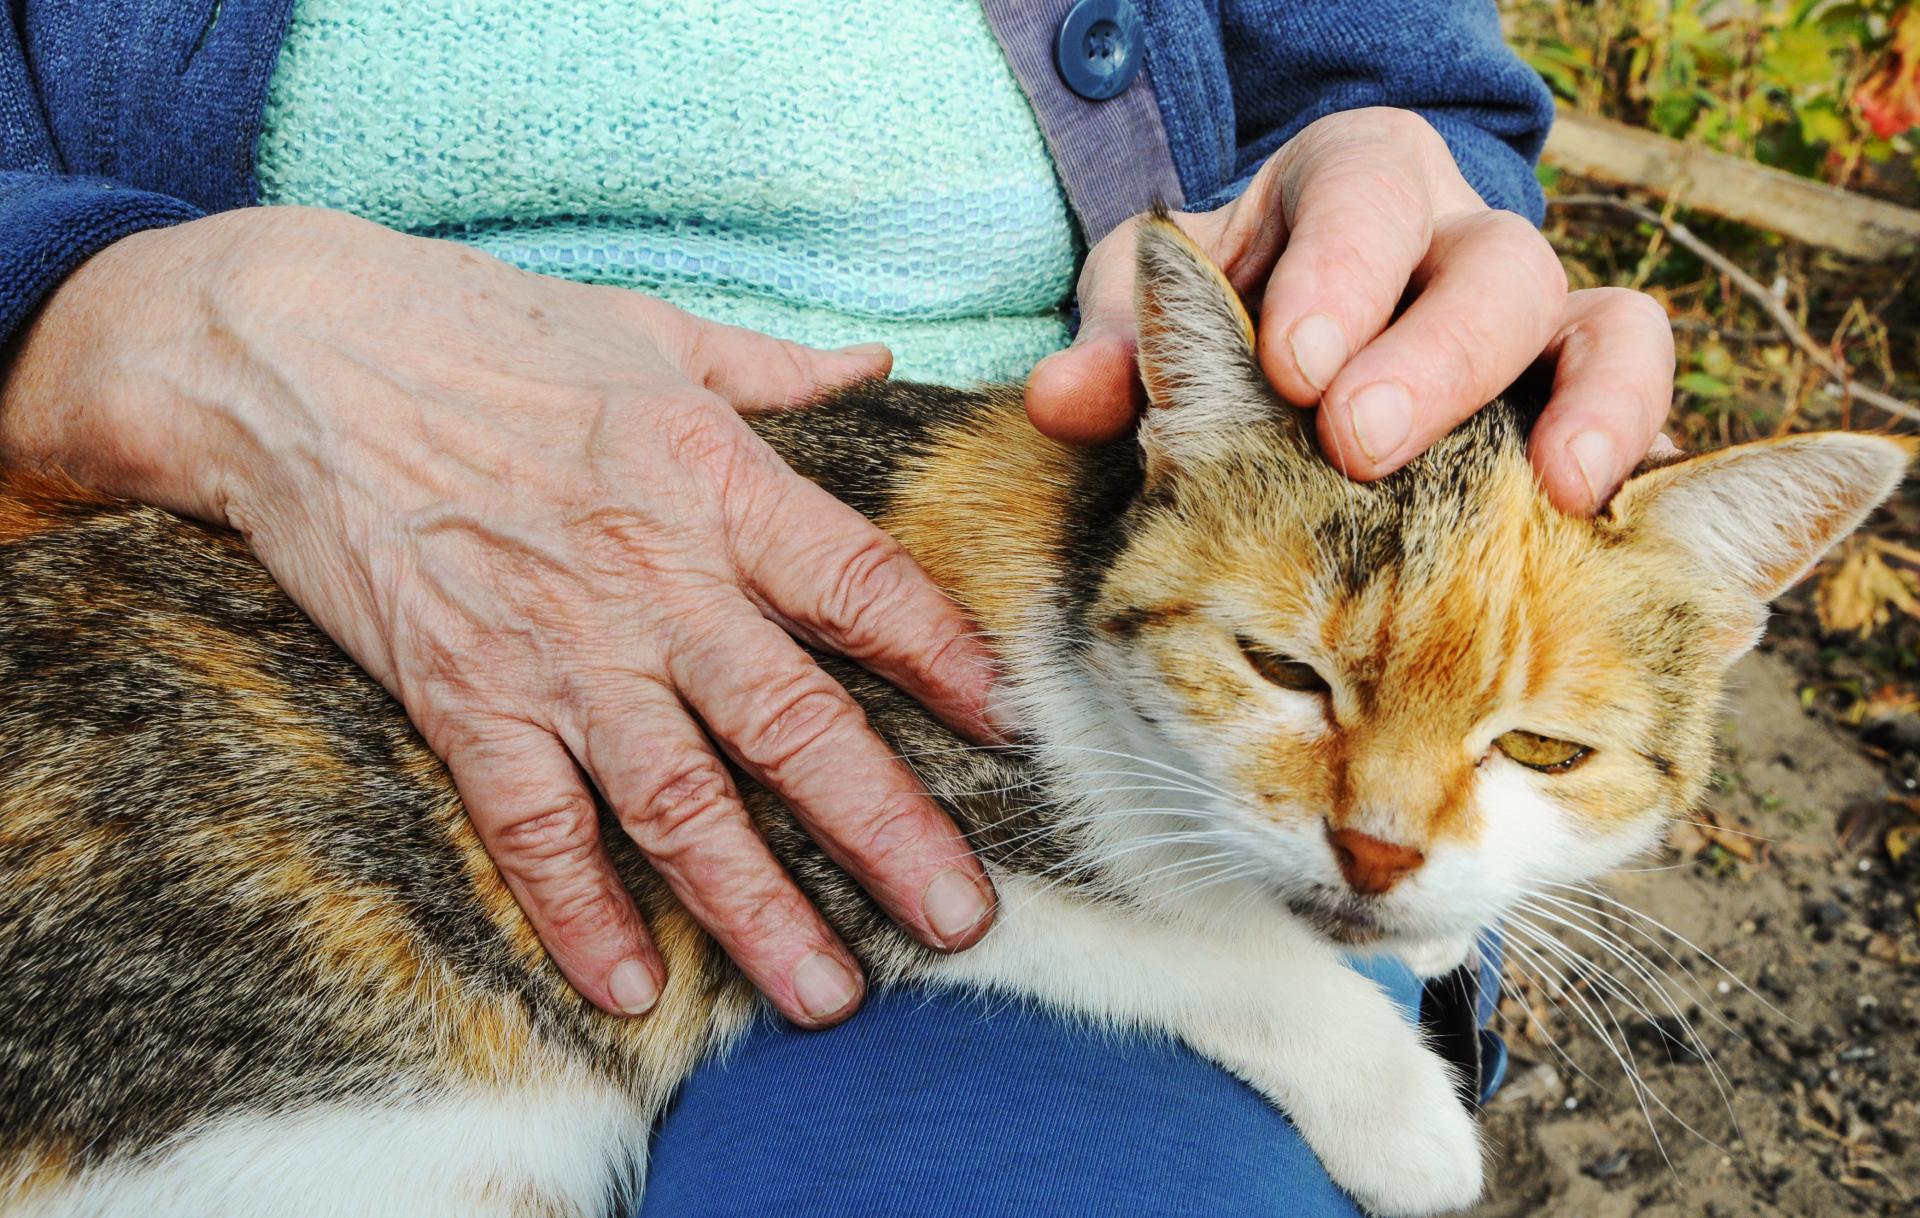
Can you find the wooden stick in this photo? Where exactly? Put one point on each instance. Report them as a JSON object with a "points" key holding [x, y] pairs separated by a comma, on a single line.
{"points": [[1789, 325], [1699, 178]]}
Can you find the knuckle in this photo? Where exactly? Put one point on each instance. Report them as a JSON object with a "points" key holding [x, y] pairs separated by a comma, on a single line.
{"points": [[1636, 308], [583, 914], [861, 590], [550, 842], [1391, 123], [1532, 251], [889, 837], [761, 917], [1465, 357], [793, 720], [679, 807], [698, 433]]}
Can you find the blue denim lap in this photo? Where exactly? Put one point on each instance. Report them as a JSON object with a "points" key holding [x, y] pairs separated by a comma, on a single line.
{"points": [[938, 1104]]}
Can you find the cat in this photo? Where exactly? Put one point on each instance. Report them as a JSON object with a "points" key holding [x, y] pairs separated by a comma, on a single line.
{"points": [[1270, 717]]}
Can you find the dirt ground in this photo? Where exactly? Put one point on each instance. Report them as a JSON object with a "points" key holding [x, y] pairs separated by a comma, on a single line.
{"points": [[1817, 1111]]}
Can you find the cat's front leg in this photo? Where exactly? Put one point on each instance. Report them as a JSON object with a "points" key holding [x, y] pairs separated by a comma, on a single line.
{"points": [[1269, 1002]]}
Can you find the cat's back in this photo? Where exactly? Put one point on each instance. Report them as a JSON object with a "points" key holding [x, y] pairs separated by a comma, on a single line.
{"points": [[240, 902]]}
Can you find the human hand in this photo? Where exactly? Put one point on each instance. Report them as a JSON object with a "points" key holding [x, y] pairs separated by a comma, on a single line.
{"points": [[530, 509], [1339, 225]]}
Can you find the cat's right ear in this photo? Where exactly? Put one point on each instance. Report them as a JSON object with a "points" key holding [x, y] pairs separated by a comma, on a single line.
{"points": [[1197, 358], [1756, 517]]}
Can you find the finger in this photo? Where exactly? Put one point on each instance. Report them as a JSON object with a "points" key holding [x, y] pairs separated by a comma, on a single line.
{"points": [[1089, 393], [827, 574], [541, 828], [1612, 389], [1359, 218], [793, 728], [755, 372], [675, 799], [1490, 294]]}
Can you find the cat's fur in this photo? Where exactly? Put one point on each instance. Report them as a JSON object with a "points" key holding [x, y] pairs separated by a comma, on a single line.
{"points": [[253, 960]]}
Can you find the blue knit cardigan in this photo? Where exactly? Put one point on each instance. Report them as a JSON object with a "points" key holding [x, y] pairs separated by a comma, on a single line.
{"points": [[135, 114]]}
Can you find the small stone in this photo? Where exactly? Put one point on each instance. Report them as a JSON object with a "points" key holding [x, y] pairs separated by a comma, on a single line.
{"points": [[1607, 1167]]}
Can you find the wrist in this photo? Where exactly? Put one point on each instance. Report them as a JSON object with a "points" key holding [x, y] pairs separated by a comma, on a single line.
{"points": [[130, 379]]}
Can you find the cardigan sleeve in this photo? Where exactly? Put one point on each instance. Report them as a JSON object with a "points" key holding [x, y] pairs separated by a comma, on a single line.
{"points": [[1291, 63], [52, 221]]}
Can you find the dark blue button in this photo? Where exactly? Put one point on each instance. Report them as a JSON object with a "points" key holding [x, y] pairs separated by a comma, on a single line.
{"points": [[1493, 1063], [1100, 48]]}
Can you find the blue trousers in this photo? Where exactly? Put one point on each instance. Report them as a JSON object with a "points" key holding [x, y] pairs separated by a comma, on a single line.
{"points": [[940, 1105]]}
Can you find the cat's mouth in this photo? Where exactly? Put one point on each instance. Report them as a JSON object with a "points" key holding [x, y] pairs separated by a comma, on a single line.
{"points": [[1349, 922]]}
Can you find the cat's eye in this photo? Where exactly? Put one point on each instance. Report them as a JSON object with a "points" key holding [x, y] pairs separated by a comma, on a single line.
{"points": [[1545, 753], [1282, 671]]}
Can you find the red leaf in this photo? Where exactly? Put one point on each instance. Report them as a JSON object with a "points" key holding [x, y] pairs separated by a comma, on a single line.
{"points": [[1889, 98]]}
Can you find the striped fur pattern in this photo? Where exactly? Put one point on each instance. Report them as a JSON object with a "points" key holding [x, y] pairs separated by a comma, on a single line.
{"points": [[248, 939]]}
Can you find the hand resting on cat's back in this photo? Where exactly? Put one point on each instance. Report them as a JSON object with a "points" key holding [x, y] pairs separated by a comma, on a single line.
{"points": [[1272, 718]]}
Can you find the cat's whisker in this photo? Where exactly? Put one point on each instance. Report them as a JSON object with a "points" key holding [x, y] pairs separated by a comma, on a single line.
{"points": [[1621, 1050], [1588, 890], [1644, 970], [1548, 992], [1609, 986], [1701, 824], [1698, 990]]}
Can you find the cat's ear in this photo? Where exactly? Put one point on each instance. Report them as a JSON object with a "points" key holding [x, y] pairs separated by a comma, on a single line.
{"points": [[1196, 349], [1755, 517]]}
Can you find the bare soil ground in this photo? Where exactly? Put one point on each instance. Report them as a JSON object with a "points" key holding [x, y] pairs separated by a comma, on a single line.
{"points": [[1816, 1108]]}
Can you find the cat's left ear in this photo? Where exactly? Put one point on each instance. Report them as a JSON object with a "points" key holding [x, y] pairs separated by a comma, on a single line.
{"points": [[1758, 516], [1196, 349]]}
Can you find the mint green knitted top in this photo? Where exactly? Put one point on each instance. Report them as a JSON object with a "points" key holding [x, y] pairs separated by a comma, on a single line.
{"points": [[828, 173]]}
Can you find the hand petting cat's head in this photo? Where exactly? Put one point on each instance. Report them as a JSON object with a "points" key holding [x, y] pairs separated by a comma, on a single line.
{"points": [[1402, 706]]}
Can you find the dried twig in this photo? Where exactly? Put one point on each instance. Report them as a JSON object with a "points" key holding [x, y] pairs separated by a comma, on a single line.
{"points": [[1729, 334], [1754, 289]]}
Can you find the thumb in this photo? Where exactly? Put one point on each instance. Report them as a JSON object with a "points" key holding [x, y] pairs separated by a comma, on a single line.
{"points": [[755, 372], [1090, 392]]}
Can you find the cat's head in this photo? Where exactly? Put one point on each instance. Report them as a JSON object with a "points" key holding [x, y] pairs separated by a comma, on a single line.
{"points": [[1413, 701]]}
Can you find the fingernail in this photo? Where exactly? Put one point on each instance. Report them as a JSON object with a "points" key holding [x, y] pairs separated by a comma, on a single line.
{"points": [[865, 349], [1382, 416], [631, 987], [1319, 349], [953, 906], [824, 986], [1592, 453]]}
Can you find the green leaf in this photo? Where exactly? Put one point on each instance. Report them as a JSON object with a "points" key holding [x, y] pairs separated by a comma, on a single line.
{"points": [[1700, 385], [1801, 55], [1674, 113], [1821, 123], [1559, 80]]}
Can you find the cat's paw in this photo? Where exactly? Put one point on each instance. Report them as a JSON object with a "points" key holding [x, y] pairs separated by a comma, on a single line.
{"points": [[1429, 958], [1397, 1138]]}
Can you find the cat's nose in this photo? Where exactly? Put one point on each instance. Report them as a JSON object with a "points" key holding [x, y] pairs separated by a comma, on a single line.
{"points": [[1371, 865]]}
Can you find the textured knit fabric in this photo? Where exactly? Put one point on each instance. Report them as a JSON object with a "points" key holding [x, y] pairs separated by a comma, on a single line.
{"points": [[937, 1105], [1111, 155], [165, 97], [602, 140]]}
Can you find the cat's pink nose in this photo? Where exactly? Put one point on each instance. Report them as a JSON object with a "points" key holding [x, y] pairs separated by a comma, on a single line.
{"points": [[1371, 865]]}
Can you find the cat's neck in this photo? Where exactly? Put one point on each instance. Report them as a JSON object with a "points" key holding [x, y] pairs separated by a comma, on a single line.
{"points": [[1017, 527], [1021, 530]]}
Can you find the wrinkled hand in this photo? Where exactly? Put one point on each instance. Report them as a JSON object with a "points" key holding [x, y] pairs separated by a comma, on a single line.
{"points": [[531, 510], [1337, 227]]}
